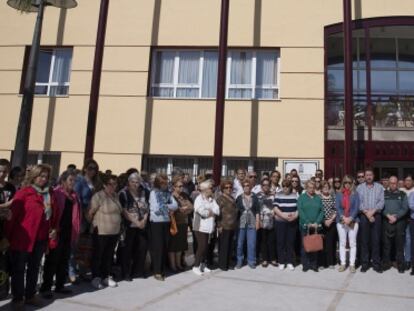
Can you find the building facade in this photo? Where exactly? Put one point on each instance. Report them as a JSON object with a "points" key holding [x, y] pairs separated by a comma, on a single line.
{"points": [[284, 84]]}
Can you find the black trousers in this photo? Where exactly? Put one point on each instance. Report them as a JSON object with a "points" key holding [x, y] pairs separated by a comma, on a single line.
{"points": [[393, 232], [160, 234], [268, 244], [103, 254], [56, 263], [411, 224], [20, 261], [371, 240], [202, 248], [225, 248], [134, 252], [329, 247], [286, 239]]}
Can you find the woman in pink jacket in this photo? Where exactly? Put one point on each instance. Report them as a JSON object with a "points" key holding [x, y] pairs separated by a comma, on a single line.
{"points": [[66, 223]]}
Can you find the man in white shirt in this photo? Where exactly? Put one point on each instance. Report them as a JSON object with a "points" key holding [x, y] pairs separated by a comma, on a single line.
{"points": [[237, 183]]}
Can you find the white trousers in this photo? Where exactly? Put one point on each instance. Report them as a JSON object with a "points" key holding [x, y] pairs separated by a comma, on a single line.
{"points": [[343, 232]]}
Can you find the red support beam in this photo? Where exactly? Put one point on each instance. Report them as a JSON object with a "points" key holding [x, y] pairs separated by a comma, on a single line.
{"points": [[96, 80], [349, 116], [221, 92]]}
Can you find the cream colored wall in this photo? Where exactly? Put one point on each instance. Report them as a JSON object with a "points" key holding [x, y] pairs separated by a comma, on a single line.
{"points": [[288, 128]]}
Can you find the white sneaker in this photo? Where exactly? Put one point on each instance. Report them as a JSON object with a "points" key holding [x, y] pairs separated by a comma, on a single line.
{"points": [[206, 270], [197, 271], [110, 282], [290, 267], [97, 283], [282, 267]]}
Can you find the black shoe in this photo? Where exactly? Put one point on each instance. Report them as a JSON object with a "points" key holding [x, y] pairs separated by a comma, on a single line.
{"points": [[315, 269], [364, 268], [47, 294], [385, 267], [401, 270], [64, 291], [305, 269], [412, 271], [407, 265], [128, 278], [378, 269]]}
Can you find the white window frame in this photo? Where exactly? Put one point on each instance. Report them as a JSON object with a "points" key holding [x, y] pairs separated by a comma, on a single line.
{"points": [[252, 86], [50, 83]]}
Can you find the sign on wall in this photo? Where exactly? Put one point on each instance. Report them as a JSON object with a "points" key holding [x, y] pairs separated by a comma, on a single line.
{"points": [[306, 168]]}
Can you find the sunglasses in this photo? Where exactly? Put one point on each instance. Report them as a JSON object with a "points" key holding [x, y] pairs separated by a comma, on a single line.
{"points": [[347, 182], [228, 187], [295, 180], [360, 176]]}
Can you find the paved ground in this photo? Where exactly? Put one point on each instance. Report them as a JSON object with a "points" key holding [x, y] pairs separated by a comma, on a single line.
{"points": [[260, 289]]}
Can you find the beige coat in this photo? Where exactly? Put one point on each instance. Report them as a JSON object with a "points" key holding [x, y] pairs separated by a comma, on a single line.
{"points": [[105, 212]]}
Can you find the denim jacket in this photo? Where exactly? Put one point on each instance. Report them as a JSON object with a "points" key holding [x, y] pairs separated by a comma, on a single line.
{"points": [[354, 209], [83, 191]]}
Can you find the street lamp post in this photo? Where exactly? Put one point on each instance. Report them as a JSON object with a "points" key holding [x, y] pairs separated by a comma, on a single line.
{"points": [[23, 129]]}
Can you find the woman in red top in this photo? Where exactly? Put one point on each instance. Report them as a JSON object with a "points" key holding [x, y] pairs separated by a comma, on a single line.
{"points": [[29, 232]]}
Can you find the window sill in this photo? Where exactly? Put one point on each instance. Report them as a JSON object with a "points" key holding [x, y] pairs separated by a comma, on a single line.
{"points": [[47, 96], [213, 99]]}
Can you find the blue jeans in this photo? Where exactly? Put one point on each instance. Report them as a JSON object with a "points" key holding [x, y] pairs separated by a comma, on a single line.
{"points": [[407, 248], [251, 245]]}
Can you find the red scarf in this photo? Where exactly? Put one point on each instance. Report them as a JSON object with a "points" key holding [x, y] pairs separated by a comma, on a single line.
{"points": [[346, 201]]}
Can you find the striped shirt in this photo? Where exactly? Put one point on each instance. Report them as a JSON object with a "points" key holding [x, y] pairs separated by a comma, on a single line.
{"points": [[286, 203], [371, 197]]}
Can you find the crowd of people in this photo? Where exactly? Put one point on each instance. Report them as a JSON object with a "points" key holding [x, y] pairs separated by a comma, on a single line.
{"points": [[87, 224]]}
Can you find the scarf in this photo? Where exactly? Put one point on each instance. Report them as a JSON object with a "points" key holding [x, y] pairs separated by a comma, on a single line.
{"points": [[163, 198], [346, 201], [46, 200]]}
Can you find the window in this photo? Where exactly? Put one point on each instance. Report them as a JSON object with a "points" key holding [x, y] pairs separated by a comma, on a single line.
{"points": [[193, 74], [53, 71]]}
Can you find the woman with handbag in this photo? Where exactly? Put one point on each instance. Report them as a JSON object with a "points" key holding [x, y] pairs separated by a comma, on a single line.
{"points": [[162, 203], [205, 211], [135, 216], [347, 206], [310, 219], [105, 215], [178, 241]]}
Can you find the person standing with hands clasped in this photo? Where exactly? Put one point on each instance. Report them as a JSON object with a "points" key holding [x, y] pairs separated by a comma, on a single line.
{"points": [[310, 219], [205, 211], [249, 209], [394, 224], [347, 206], [371, 195]]}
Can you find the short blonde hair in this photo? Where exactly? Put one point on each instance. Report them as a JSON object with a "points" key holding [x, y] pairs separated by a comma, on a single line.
{"points": [[206, 184], [35, 171]]}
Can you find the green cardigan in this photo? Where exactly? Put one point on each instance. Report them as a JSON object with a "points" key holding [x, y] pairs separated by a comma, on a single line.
{"points": [[310, 210]]}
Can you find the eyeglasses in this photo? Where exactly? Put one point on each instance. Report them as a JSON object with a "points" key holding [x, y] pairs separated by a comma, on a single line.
{"points": [[295, 180], [228, 187], [317, 180], [92, 168], [360, 176], [252, 176]]}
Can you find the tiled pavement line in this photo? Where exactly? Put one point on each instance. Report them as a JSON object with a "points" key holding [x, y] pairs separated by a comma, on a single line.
{"points": [[148, 303], [340, 293], [345, 291]]}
